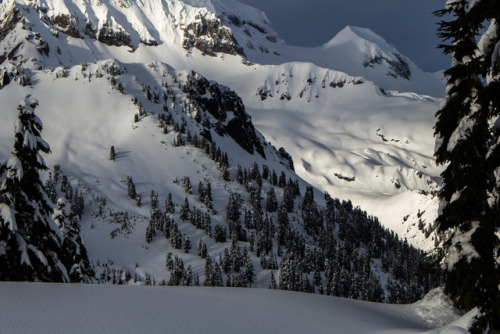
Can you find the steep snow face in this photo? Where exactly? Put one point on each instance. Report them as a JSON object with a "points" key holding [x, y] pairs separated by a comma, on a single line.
{"points": [[369, 50], [359, 51]]}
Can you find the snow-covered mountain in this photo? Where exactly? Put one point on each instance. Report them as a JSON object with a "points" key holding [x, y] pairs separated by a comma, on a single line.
{"points": [[189, 94], [378, 104]]}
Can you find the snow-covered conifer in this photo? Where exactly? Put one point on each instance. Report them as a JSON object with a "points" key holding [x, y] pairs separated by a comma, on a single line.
{"points": [[112, 153], [74, 255], [468, 215], [30, 241]]}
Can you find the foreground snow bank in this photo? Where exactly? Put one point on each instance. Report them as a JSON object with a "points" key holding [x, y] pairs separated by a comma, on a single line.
{"points": [[65, 308]]}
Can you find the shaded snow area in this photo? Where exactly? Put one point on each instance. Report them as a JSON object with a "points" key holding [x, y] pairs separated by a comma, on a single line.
{"points": [[56, 308]]}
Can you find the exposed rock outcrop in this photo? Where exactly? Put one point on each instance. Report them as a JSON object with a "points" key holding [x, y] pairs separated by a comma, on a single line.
{"points": [[67, 24], [399, 67], [113, 36], [210, 37], [9, 20], [227, 108]]}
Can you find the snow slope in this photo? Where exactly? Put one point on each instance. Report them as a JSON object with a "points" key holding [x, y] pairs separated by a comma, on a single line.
{"points": [[55, 308], [82, 127], [351, 139], [352, 109]]}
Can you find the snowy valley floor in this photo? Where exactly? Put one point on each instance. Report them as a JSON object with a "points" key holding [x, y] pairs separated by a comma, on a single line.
{"points": [[71, 308]]}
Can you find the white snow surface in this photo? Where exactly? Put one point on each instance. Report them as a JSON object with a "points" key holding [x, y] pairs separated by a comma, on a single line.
{"points": [[73, 308]]}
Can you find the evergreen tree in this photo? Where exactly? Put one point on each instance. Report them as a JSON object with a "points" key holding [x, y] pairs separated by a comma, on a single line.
{"points": [[30, 241], [233, 213], [131, 188], [77, 205], [226, 261], [75, 254], [50, 188], [288, 198], [312, 218], [272, 284], [220, 234], [468, 219], [201, 247], [265, 172], [112, 154], [187, 185], [169, 205], [175, 236], [274, 178], [150, 233], [185, 211], [283, 226], [282, 180], [271, 201], [187, 244], [239, 175], [205, 193], [248, 272]]}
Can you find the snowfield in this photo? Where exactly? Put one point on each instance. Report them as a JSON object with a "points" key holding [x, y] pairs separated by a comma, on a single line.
{"points": [[73, 308]]}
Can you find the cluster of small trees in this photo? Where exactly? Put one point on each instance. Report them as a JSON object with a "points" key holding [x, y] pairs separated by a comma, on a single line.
{"points": [[179, 274], [58, 184], [237, 265], [161, 222]]}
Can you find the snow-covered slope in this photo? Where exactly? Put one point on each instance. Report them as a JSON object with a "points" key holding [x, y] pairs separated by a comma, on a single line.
{"points": [[352, 139], [68, 308], [351, 112], [82, 127], [139, 110]]}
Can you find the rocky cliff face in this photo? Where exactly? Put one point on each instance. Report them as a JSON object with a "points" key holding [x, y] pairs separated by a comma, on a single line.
{"points": [[228, 109], [8, 20], [67, 24], [114, 36], [208, 35], [211, 31], [398, 66]]}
